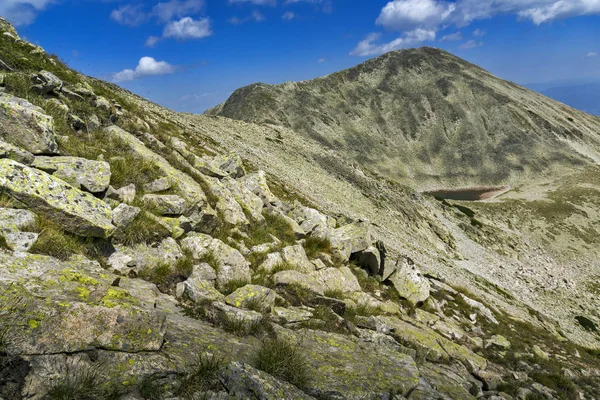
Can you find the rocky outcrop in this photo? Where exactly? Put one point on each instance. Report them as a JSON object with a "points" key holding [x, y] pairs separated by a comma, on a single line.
{"points": [[88, 175], [26, 126], [72, 209]]}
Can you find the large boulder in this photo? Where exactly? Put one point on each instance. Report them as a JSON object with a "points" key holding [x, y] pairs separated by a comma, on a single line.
{"points": [[351, 238], [249, 202], [89, 175], [232, 164], [296, 256], [45, 82], [254, 296], [75, 211], [227, 206], [230, 264], [295, 278], [257, 184], [26, 126], [337, 279], [408, 281]]}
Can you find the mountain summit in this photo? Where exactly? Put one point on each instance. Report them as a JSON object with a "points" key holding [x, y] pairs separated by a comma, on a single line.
{"points": [[427, 118]]}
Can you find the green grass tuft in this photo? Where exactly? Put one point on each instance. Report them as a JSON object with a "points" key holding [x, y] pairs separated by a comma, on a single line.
{"points": [[84, 383], [284, 360], [315, 245], [200, 377]]}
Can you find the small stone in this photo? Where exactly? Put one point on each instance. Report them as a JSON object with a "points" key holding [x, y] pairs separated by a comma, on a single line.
{"points": [[166, 204], [124, 214], [20, 241]]}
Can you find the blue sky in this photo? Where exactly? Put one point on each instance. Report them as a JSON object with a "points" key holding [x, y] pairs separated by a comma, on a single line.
{"points": [[190, 55]]}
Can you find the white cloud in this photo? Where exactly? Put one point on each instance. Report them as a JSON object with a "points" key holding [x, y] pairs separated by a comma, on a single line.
{"points": [[368, 47], [470, 44], [152, 40], [177, 9], [147, 66], [591, 54], [129, 15], [22, 12], [188, 28], [321, 60], [256, 16], [479, 33], [288, 15], [452, 37], [406, 15]]}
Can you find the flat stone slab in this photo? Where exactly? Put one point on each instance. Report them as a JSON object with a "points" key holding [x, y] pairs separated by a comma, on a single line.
{"points": [[89, 175], [75, 211]]}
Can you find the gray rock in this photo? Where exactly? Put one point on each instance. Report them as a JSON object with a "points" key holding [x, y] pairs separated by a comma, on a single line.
{"points": [[245, 382], [337, 279], [205, 272], [225, 311], [26, 126], [57, 104], [93, 123], [296, 256], [168, 204], [8, 150], [272, 260], [12, 219], [254, 295], [257, 184], [75, 211], [122, 264], [126, 194], [409, 283], [249, 202], [349, 239], [46, 82], [124, 214], [308, 218], [286, 278], [291, 315], [232, 164], [102, 103], [157, 185], [71, 95], [89, 175], [497, 341], [204, 221], [231, 264], [490, 380], [199, 290], [20, 241]]}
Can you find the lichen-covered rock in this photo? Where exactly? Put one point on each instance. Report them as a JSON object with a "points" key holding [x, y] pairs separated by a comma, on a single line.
{"points": [[77, 123], [291, 315], [26, 126], [232, 164], [497, 341], [124, 214], [231, 264], [286, 278], [205, 220], [308, 218], [20, 241], [257, 184], [148, 257], [89, 175], [337, 279], [199, 290], [45, 82], [249, 202], [245, 382], [12, 219], [157, 185], [272, 260], [254, 295], [409, 283], [348, 368], [102, 103], [236, 314], [8, 150], [227, 206], [126, 194], [75, 211], [188, 188], [166, 204], [296, 255], [350, 239]]}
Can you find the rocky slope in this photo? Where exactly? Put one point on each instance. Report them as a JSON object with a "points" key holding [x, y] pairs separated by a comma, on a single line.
{"points": [[426, 118], [140, 258]]}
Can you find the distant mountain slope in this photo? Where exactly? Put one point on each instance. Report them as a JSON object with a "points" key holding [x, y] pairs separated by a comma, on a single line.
{"points": [[582, 97], [427, 118]]}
